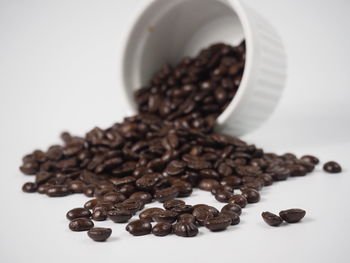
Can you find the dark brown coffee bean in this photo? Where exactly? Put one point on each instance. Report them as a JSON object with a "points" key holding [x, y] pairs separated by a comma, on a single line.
{"points": [[29, 187], [198, 164], [267, 179], [119, 215], [202, 214], [81, 224], [271, 219], [184, 188], [162, 229], [182, 209], [233, 181], [185, 229], [57, 191], [332, 167], [166, 194], [232, 207], [251, 195], [30, 167], [42, 188], [235, 219], [131, 205], [223, 196], [77, 213], [139, 227], [187, 218], [103, 206], [89, 191], [238, 200], [292, 215], [99, 215], [311, 159], [145, 197], [219, 223], [175, 167], [99, 234], [222, 188], [149, 213], [113, 197], [208, 184], [172, 204], [91, 204], [165, 216]]}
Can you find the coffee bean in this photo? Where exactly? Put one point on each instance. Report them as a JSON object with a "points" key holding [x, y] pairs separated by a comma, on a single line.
{"points": [[202, 214], [332, 167], [139, 227], [182, 209], [99, 234], [113, 197], [223, 196], [311, 159], [162, 229], [208, 184], [235, 219], [232, 207], [166, 194], [99, 215], [81, 224], [57, 191], [172, 204], [142, 196], [189, 218], [239, 200], [271, 219], [149, 213], [219, 223], [293, 215], [119, 215], [30, 167], [251, 195], [165, 216], [77, 213], [185, 229], [91, 204], [29, 187]]}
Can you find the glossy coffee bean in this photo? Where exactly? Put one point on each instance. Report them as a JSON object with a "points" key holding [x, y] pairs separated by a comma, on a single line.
{"points": [[238, 200], [139, 227], [81, 224], [162, 229], [218, 223], [99, 215], [208, 184], [311, 159], [251, 195], [332, 167], [29, 187], [185, 229], [293, 215], [99, 234], [168, 216], [172, 204], [232, 207], [166, 194], [119, 215], [57, 191], [187, 218], [77, 213], [91, 204], [271, 219], [235, 219], [145, 197], [223, 196], [149, 213]]}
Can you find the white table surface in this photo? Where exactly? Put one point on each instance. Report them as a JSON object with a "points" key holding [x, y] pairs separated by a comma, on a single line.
{"points": [[59, 70]]}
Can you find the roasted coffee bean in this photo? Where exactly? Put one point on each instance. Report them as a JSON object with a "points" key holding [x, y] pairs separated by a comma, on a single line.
{"points": [[91, 204], [142, 196], [188, 218], [99, 234], [166, 194], [233, 181], [42, 188], [267, 179], [251, 195], [185, 229], [165, 216], [81, 224], [57, 191], [223, 196], [89, 191], [29, 187], [235, 219], [271, 219], [119, 215], [208, 184], [99, 215], [182, 209], [30, 167], [332, 167], [139, 227], [293, 215], [103, 206], [77, 213], [149, 213], [184, 188], [311, 159], [219, 223], [172, 204], [113, 197], [232, 207], [202, 214], [162, 229], [222, 188], [76, 186], [238, 200], [131, 205]]}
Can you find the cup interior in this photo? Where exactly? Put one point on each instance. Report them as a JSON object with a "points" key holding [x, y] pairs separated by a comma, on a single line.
{"points": [[167, 31]]}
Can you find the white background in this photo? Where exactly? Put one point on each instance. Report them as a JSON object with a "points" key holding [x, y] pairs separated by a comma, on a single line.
{"points": [[59, 70]]}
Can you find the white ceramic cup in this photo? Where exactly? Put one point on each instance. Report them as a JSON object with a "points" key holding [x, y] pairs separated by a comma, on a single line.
{"points": [[168, 30]]}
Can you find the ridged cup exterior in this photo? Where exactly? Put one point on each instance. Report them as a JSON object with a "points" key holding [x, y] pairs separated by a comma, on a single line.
{"points": [[264, 77]]}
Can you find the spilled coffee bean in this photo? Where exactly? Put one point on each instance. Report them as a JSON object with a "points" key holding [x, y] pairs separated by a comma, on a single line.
{"points": [[292, 215], [271, 219], [99, 234]]}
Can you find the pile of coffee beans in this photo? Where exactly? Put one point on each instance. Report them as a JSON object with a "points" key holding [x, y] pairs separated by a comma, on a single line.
{"points": [[164, 152], [293, 215]]}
